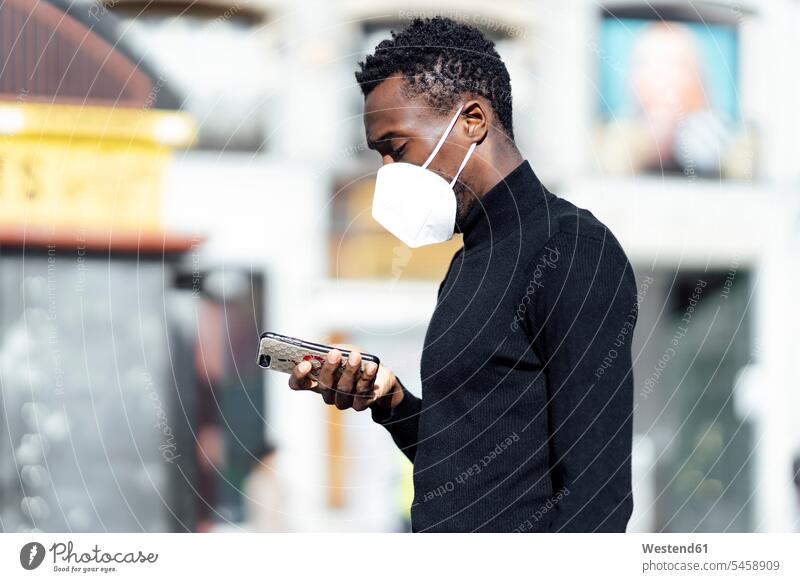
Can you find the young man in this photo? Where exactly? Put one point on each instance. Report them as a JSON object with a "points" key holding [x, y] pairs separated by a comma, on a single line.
{"points": [[525, 420]]}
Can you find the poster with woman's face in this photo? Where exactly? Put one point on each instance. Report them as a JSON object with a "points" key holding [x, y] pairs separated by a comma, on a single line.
{"points": [[669, 100]]}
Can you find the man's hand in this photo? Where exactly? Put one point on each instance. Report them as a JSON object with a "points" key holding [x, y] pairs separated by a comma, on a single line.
{"points": [[348, 387]]}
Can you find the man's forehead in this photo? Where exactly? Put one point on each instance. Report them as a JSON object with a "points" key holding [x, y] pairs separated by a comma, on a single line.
{"points": [[389, 94], [388, 108]]}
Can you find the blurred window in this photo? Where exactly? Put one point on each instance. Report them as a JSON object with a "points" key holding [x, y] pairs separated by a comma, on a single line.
{"points": [[686, 403], [220, 60], [669, 100]]}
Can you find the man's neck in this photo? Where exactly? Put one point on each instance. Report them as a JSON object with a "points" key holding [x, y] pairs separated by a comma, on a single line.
{"points": [[500, 166], [500, 161]]}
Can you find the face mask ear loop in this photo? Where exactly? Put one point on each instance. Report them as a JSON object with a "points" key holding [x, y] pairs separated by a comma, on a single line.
{"points": [[443, 138], [464, 163]]}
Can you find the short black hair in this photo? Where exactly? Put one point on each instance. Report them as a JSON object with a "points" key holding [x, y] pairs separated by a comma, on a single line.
{"points": [[442, 59]]}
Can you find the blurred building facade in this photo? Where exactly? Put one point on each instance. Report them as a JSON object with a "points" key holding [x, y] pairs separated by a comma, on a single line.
{"points": [[672, 122], [86, 262]]}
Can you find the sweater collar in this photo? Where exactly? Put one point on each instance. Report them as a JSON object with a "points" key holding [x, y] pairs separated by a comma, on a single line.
{"points": [[504, 208]]}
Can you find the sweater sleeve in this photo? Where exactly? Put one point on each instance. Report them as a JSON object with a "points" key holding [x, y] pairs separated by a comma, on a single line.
{"points": [[586, 313], [402, 422]]}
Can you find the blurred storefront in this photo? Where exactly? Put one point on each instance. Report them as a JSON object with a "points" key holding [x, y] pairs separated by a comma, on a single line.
{"points": [[86, 268], [663, 121]]}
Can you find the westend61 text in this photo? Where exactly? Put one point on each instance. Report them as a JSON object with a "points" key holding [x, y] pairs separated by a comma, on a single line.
{"points": [[673, 549]]}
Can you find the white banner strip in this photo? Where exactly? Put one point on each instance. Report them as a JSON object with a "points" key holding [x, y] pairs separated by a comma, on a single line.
{"points": [[400, 557]]}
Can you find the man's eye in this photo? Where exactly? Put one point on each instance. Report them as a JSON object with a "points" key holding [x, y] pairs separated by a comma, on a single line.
{"points": [[399, 151]]}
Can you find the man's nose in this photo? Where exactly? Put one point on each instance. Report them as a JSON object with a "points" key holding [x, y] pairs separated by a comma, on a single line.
{"points": [[387, 159]]}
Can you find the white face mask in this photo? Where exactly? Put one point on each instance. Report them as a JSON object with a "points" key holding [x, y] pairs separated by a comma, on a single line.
{"points": [[415, 204]]}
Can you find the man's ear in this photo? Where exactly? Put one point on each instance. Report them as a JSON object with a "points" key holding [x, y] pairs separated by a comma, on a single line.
{"points": [[476, 122]]}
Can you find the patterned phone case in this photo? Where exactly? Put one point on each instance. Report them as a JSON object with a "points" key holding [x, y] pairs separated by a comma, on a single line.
{"points": [[282, 353]]}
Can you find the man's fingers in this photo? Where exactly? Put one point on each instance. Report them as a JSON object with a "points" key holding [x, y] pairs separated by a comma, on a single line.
{"points": [[341, 383], [365, 387], [329, 376], [299, 378], [347, 383], [329, 394]]}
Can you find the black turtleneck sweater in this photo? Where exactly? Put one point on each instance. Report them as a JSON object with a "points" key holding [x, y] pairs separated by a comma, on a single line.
{"points": [[525, 420]]}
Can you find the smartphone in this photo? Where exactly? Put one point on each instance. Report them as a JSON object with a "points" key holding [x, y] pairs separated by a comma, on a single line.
{"points": [[282, 353]]}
